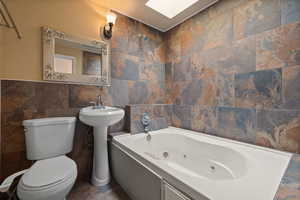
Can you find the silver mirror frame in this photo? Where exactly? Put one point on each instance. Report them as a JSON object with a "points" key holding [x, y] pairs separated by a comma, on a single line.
{"points": [[49, 35]]}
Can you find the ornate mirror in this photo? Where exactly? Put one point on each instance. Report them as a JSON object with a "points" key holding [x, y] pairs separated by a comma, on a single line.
{"points": [[70, 59]]}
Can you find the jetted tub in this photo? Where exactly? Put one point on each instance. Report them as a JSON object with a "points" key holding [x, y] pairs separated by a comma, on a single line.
{"points": [[195, 166]]}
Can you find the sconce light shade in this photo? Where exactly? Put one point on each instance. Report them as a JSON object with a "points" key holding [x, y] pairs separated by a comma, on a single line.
{"points": [[110, 21], [111, 18]]}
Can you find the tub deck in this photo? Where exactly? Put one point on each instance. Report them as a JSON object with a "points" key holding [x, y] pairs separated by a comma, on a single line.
{"points": [[260, 180]]}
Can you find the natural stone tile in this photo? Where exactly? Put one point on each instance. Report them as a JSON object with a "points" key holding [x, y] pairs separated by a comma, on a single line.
{"points": [[146, 92], [237, 123], [14, 139], [290, 11], [16, 94], [291, 87], [199, 33], [119, 92], [82, 152], [155, 124], [182, 70], [279, 129], [204, 119], [279, 47], [163, 110], [14, 162], [126, 37], [260, 89], [172, 45], [138, 92], [256, 16], [51, 96], [137, 111], [70, 112], [120, 125], [225, 84], [218, 31], [168, 72], [155, 71], [160, 115], [181, 116], [210, 91], [289, 188], [82, 95], [239, 57], [83, 190], [125, 67], [187, 38], [200, 65], [198, 91], [221, 7]]}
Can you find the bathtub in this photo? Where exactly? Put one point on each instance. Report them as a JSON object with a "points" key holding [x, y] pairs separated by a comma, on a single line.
{"points": [[195, 166]]}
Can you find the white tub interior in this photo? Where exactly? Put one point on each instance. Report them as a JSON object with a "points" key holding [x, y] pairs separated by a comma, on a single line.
{"points": [[217, 168]]}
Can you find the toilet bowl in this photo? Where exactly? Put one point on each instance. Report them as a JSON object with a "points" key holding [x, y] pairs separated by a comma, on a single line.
{"points": [[53, 174], [49, 179]]}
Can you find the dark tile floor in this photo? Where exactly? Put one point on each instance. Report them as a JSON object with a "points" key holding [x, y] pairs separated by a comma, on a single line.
{"points": [[85, 191]]}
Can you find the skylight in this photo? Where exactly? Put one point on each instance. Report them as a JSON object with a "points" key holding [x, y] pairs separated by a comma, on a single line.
{"points": [[170, 8]]}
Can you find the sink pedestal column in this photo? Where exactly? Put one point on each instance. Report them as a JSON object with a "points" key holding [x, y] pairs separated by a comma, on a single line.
{"points": [[100, 176]]}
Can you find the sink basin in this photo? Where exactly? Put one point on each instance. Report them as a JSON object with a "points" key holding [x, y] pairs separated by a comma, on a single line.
{"points": [[100, 119]]}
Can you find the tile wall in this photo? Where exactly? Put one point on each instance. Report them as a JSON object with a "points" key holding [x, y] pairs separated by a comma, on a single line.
{"points": [[234, 71]]}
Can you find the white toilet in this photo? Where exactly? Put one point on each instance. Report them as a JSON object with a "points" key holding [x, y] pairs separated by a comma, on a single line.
{"points": [[53, 175]]}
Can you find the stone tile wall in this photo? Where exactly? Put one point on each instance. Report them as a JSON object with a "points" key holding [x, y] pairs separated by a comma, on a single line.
{"points": [[234, 71], [138, 55], [290, 182], [160, 115]]}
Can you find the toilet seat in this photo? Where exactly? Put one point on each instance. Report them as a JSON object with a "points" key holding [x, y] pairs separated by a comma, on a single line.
{"points": [[48, 178]]}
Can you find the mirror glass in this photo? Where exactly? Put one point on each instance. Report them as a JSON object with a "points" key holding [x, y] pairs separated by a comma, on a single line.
{"points": [[75, 58]]}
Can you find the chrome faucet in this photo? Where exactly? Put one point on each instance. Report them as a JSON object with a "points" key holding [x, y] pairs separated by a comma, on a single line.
{"points": [[146, 120], [98, 104]]}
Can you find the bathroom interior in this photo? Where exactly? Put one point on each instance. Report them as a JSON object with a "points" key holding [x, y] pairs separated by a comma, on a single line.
{"points": [[150, 99]]}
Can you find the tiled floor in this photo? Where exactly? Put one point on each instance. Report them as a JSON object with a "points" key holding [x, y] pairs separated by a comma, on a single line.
{"points": [[85, 191]]}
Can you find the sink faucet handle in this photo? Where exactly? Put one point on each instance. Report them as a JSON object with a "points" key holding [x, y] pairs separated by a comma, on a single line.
{"points": [[93, 103], [99, 100]]}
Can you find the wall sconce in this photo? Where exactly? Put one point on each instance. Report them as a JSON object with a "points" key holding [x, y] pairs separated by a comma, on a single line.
{"points": [[110, 21]]}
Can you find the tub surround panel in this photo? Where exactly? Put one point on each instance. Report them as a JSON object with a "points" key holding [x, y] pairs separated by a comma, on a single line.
{"points": [[252, 17], [290, 11], [291, 84], [279, 47], [279, 129], [289, 188], [182, 116], [229, 122], [260, 89], [160, 115], [204, 119], [239, 83], [236, 123], [146, 92], [236, 57], [212, 91]]}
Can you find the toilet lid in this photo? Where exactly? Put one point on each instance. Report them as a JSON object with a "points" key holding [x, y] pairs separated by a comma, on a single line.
{"points": [[49, 171]]}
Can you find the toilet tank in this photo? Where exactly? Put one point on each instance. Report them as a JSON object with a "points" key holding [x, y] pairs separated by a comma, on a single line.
{"points": [[49, 137]]}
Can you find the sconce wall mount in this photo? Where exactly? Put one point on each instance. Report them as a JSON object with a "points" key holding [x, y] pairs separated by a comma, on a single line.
{"points": [[108, 28]]}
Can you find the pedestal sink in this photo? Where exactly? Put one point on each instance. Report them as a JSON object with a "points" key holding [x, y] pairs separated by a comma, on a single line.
{"points": [[100, 119]]}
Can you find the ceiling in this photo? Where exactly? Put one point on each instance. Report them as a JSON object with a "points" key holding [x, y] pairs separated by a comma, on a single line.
{"points": [[137, 10]]}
